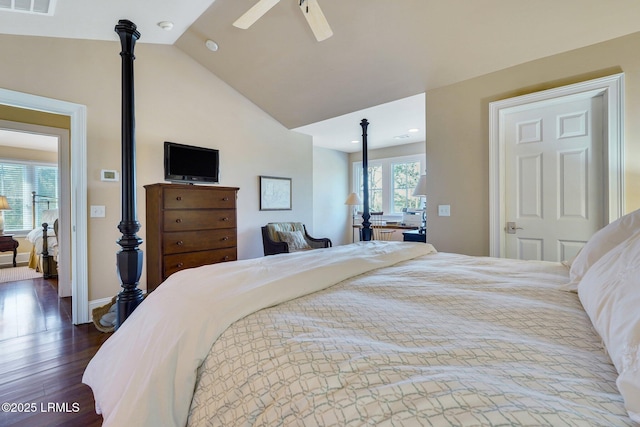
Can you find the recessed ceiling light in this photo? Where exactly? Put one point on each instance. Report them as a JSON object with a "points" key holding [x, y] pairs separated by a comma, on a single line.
{"points": [[413, 130], [401, 136], [166, 25], [211, 45], [355, 141]]}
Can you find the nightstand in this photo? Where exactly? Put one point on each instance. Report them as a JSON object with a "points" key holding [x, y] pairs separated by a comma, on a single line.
{"points": [[414, 236], [8, 244]]}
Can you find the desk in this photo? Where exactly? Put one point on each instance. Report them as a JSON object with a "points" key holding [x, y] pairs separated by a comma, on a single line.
{"points": [[8, 244], [415, 236], [393, 227]]}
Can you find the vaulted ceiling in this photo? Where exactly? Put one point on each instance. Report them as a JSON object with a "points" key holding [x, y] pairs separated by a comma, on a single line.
{"points": [[384, 50], [380, 51]]}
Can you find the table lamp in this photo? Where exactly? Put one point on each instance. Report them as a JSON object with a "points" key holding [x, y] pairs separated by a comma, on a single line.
{"points": [[4, 206], [353, 200], [421, 191]]}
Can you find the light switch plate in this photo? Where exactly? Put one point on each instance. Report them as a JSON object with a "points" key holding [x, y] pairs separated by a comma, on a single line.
{"points": [[98, 211], [444, 210]]}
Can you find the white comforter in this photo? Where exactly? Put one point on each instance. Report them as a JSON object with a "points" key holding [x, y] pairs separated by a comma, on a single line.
{"points": [[144, 375], [440, 340]]}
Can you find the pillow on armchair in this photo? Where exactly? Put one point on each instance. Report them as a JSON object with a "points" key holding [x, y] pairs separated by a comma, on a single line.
{"points": [[295, 240]]}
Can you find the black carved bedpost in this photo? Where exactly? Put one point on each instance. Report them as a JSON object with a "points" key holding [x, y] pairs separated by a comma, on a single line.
{"points": [[367, 232], [129, 259]]}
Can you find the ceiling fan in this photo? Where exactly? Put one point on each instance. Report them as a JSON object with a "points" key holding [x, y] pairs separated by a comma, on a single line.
{"points": [[310, 9]]}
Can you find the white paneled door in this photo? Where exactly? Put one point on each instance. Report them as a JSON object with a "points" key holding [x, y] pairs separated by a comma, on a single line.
{"points": [[554, 168]]}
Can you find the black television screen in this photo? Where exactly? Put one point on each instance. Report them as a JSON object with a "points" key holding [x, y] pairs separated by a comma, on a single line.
{"points": [[186, 163]]}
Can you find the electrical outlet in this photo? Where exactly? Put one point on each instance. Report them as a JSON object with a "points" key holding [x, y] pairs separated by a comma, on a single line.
{"points": [[98, 211], [444, 210]]}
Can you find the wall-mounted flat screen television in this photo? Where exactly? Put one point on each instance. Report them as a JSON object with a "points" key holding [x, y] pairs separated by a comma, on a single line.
{"points": [[186, 163]]}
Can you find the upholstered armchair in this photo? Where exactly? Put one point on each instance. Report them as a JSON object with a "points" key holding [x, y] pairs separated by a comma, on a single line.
{"points": [[283, 237]]}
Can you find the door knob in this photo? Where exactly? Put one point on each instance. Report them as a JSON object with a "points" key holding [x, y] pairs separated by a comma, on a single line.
{"points": [[511, 228]]}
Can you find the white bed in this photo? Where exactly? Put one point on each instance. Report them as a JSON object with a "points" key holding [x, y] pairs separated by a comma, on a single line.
{"points": [[373, 333], [36, 239], [46, 263]]}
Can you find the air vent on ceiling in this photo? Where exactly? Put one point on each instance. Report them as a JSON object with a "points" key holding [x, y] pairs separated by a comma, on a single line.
{"points": [[36, 7]]}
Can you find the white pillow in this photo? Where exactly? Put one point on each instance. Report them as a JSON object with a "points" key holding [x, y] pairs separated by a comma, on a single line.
{"points": [[610, 294], [49, 216], [600, 243]]}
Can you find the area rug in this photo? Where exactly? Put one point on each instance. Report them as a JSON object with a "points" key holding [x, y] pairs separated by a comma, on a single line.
{"points": [[12, 274]]}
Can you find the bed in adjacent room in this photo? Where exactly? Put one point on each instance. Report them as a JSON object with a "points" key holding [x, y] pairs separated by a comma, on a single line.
{"points": [[43, 238]]}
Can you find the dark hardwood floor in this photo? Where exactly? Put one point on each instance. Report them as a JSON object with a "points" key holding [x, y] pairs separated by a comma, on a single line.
{"points": [[42, 358]]}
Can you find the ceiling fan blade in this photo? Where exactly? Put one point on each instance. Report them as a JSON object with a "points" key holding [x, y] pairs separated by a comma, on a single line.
{"points": [[255, 13], [318, 23]]}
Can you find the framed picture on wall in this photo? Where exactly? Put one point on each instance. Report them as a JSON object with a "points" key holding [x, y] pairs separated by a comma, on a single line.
{"points": [[275, 193]]}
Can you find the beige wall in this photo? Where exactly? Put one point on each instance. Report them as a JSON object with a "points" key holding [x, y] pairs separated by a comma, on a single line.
{"points": [[176, 100], [457, 120], [34, 117]]}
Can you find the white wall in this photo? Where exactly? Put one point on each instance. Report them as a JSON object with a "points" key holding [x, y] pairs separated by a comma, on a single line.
{"points": [[330, 189], [387, 152]]}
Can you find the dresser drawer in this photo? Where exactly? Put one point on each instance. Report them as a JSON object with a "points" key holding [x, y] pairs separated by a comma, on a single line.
{"points": [[188, 226], [177, 262], [188, 241], [198, 198], [206, 219]]}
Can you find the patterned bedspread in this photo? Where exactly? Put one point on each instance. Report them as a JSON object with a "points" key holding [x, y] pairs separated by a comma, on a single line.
{"points": [[439, 340]]}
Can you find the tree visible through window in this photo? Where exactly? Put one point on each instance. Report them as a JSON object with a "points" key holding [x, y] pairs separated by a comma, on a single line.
{"points": [[391, 183], [405, 179], [375, 188], [17, 181]]}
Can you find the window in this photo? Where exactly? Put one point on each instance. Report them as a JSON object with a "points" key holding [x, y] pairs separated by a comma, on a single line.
{"points": [[17, 181], [391, 183], [405, 178], [375, 187]]}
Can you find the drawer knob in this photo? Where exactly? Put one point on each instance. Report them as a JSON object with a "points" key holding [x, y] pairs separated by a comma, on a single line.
{"points": [[225, 238], [179, 243], [180, 265], [178, 220], [226, 258], [179, 198], [226, 199], [225, 219]]}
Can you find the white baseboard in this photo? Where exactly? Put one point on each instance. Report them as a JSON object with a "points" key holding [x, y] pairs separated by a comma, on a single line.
{"points": [[100, 302], [97, 303], [6, 259]]}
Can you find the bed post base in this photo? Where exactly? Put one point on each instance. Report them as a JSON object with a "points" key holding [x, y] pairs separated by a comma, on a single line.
{"points": [[366, 234], [49, 265], [129, 259]]}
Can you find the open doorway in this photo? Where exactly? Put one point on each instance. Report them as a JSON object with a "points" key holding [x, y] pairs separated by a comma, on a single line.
{"points": [[41, 192], [77, 184]]}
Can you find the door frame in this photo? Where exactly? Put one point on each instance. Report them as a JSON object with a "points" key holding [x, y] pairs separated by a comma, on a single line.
{"points": [[611, 88], [78, 189]]}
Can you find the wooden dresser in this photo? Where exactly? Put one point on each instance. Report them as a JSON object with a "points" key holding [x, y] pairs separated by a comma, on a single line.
{"points": [[188, 226]]}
